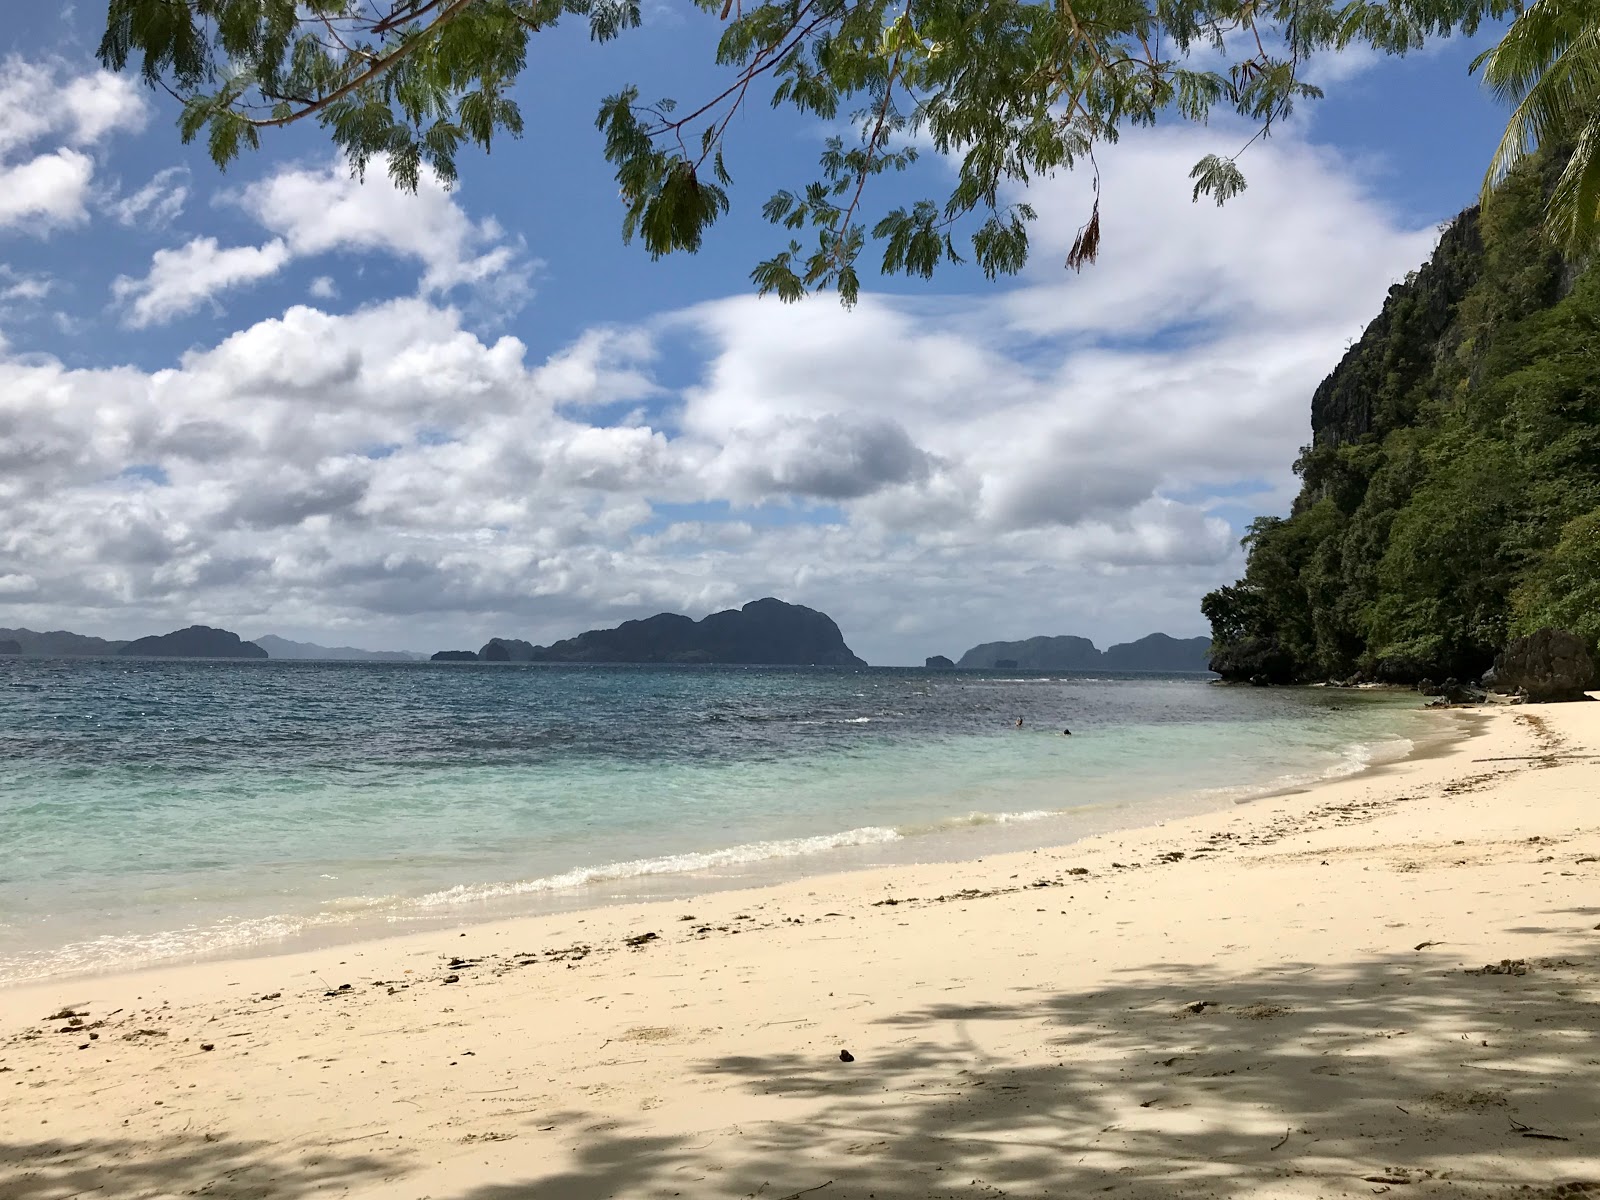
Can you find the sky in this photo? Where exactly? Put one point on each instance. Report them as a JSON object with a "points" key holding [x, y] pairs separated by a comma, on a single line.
{"points": [[283, 400]]}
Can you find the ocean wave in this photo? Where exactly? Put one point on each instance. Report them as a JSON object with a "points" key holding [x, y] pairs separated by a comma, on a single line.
{"points": [[669, 864], [974, 819], [1350, 759], [125, 952], [128, 952]]}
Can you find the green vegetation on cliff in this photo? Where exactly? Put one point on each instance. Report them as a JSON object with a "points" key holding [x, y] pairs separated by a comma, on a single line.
{"points": [[1451, 494]]}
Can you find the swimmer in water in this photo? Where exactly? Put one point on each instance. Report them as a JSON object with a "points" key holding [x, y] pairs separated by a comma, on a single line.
{"points": [[1066, 733], [1019, 722]]}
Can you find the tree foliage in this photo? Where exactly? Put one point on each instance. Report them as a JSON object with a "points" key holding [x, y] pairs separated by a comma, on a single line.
{"points": [[1452, 497], [1547, 67], [1010, 90]]}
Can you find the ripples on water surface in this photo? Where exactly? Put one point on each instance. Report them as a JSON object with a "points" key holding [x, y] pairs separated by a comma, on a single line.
{"points": [[151, 810]]}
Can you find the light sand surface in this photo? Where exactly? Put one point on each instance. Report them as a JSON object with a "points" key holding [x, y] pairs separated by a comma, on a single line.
{"points": [[1280, 1000]]}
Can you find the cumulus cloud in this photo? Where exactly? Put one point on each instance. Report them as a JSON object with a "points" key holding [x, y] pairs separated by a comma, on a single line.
{"points": [[181, 280], [832, 457], [1049, 457], [325, 209], [101, 103], [603, 366], [316, 212], [45, 190]]}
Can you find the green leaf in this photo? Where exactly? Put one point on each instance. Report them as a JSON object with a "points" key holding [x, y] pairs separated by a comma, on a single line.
{"points": [[1217, 177]]}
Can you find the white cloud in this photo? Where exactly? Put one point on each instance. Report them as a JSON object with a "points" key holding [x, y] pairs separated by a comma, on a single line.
{"points": [[1050, 457], [43, 191], [16, 286], [101, 103], [181, 280], [324, 210], [604, 366], [157, 203], [833, 457], [318, 212]]}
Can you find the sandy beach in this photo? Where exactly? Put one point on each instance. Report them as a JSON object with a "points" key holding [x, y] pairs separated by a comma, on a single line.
{"points": [[1390, 982]]}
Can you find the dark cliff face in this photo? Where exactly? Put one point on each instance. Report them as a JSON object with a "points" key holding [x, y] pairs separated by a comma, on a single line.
{"points": [[506, 650], [938, 662], [197, 641], [764, 632], [1366, 394], [761, 628]]}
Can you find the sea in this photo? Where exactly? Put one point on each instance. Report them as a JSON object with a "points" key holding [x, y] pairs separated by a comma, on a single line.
{"points": [[160, 811]]}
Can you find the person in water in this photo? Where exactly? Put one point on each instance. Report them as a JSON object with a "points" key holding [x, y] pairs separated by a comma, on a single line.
{"points": [[1019, 722], [1066, 733]]}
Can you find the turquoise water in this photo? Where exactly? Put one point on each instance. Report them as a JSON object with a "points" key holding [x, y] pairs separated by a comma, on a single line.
{"points": [[151, 811]]}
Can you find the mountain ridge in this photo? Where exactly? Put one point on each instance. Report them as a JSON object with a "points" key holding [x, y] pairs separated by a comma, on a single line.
{"points": [[765, 632], [60, 643], [284, 649], [1154, 652], [197, 641]]}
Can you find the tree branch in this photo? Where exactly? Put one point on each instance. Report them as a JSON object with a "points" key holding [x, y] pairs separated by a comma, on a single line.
{"points": [[378, 67]]}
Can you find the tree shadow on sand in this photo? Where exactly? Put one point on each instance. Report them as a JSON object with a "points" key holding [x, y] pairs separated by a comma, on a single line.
{"points": [[180, 1164], [1184, 1081], [610, 1161]]}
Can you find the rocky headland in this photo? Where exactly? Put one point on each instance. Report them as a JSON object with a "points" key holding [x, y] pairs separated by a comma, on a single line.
{"points": [[1450, 493]]}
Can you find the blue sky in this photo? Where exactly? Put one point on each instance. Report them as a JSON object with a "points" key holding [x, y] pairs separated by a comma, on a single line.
{"points": [[283, 402]]}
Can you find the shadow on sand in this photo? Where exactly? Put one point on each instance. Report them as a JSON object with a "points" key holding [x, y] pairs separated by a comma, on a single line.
{"points": [[1397, 1072], [1394, 1073], [176, 1165]]}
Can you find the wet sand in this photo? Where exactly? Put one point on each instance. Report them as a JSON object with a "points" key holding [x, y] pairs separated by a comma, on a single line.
{"points": [[1390, 982]]}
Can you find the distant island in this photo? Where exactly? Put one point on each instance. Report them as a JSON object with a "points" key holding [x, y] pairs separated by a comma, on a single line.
{"points": [[766, 632], [197, 641], [58, 643], [938, 662], [508, 650], [1156, 652], [277, 647]]}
